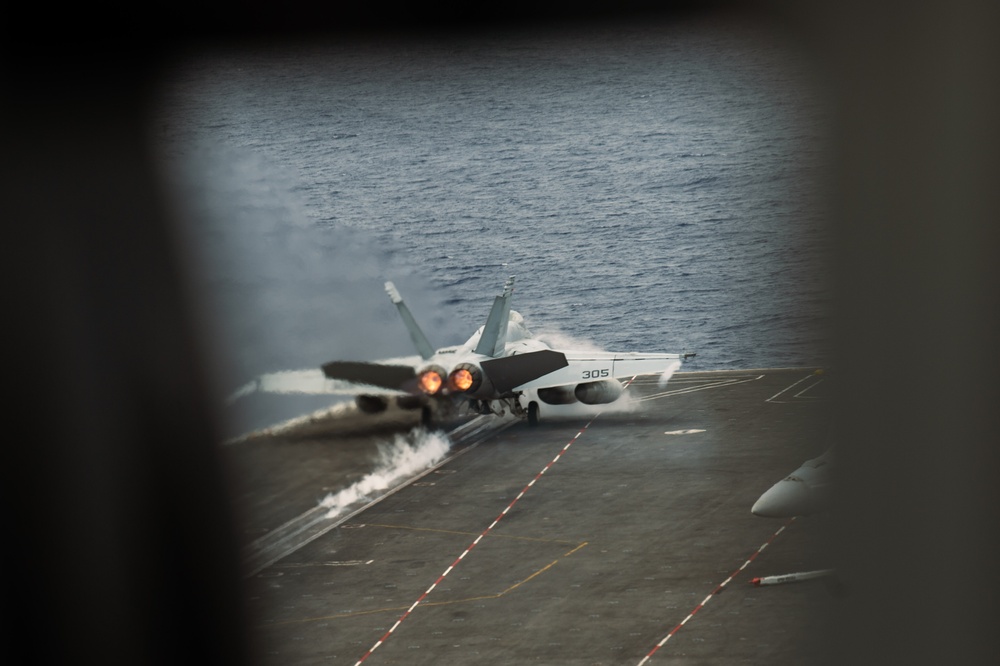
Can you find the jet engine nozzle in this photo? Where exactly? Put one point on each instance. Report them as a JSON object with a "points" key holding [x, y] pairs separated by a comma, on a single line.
{"points": [[430, 380], [465, 378]]}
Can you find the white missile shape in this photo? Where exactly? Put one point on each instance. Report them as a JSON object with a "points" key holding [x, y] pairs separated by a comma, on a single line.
{"points": [[790, 578]]}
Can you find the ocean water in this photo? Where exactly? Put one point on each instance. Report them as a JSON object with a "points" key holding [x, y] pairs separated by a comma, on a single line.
{"points": [[653, 187]]}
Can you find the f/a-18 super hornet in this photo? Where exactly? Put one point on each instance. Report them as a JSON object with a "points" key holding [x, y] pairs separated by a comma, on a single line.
{"points": [[806, 491], [501, 368]]}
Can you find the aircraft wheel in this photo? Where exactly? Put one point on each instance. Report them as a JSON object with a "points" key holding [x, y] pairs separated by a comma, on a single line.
{"points": [[532, 413]]}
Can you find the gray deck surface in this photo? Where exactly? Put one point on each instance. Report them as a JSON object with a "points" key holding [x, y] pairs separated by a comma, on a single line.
{"points": [[633, 526]]}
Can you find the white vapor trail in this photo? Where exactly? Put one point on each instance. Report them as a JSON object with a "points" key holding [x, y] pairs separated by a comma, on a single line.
{"points": [[406, 455], [673, 367]]}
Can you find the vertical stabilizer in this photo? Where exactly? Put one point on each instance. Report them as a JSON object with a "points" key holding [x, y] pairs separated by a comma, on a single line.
{"points": [[419, 339], [493, 340]]}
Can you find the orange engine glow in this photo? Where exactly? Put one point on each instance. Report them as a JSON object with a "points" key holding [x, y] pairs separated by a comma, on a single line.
{"points": [[465, 378], [461, 379], [430, 382]]}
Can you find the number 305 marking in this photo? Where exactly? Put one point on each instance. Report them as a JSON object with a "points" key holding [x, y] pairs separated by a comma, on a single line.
{"points": [[595, 374]]}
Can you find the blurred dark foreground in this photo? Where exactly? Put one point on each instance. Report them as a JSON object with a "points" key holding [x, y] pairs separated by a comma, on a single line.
{"points": [[119, 543]]}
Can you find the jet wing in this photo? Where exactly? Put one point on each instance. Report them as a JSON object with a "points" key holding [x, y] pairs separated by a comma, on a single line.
{"points": [[597, 366]]}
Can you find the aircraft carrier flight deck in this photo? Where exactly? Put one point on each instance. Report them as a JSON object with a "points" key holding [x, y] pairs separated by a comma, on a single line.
{"points": [[620, 538]]}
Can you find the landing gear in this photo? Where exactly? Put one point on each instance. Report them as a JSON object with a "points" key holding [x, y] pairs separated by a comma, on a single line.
{"points": [[532, 413], [500, 406]]}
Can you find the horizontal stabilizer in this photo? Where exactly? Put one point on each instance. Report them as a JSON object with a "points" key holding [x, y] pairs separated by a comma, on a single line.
{"points": [[511, 371], [387, 376]]}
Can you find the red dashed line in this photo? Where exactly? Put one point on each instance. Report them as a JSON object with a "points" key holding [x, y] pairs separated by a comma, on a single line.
{"points": [[714, 592], [503, 513], [474, 543]]}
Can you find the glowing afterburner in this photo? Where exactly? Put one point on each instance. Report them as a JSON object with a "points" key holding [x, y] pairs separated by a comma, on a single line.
{"points": [[465, 378], [431, 380]]}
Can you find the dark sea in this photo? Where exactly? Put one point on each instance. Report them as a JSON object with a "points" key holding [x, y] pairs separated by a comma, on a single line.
{"points": [[654, 187]]}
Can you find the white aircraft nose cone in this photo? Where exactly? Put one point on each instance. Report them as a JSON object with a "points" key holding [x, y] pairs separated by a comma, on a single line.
{"points": [[788, 497]]}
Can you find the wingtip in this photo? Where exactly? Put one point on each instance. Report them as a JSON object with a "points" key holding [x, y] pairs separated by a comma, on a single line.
{"points": [[390, 289]]}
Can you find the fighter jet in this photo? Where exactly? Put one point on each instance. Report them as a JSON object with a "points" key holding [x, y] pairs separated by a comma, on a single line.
{"points": [[501, 368], [805, 491]]}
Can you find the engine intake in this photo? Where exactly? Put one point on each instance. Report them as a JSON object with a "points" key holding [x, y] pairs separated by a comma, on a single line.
{"points": [[598, 393], [371, 404], [557, 395]]}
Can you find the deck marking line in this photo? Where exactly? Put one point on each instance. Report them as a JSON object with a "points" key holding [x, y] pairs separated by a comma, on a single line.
{"points": [[802, 394], [789, 388], [702, 387], [485, 532], [718, 589]]}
